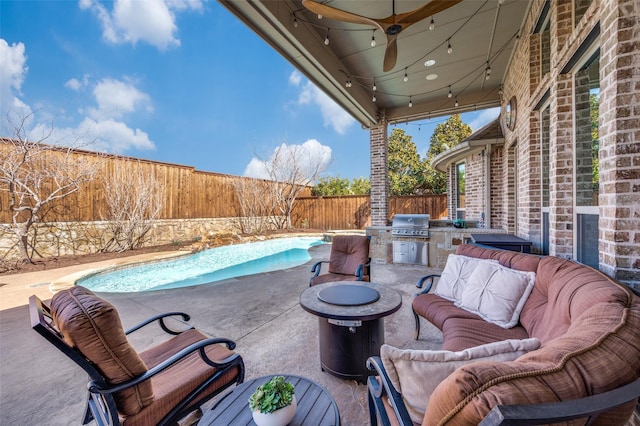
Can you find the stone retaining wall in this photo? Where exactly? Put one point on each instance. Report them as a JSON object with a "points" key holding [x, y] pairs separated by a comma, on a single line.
{"points": [[74, 238]]}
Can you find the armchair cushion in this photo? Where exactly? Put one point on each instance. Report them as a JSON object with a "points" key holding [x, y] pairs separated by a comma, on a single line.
{"points": [[347, 253], [92, 326], [456, 274], [416, 373], [173, 384], [497, 294]]}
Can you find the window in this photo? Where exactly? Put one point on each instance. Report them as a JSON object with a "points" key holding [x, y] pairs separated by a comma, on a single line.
{"points": [[545, 137], [460, 191], [586, 148]]}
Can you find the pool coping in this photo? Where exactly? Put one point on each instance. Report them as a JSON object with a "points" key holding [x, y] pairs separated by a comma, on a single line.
{"points": [[70, 280]]}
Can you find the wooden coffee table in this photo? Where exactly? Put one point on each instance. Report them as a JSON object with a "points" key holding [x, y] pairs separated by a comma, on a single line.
{"points": [[351, 323], [315, 406]]}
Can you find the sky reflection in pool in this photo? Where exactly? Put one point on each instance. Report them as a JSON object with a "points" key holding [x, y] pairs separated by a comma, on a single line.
{"points": [[205, 267]]}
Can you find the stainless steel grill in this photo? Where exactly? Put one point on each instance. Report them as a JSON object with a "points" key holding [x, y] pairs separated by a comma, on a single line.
{"points": [[410, 225]]}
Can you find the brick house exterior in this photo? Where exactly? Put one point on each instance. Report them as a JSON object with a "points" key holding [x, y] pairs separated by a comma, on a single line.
{"points": [[570, 189]]}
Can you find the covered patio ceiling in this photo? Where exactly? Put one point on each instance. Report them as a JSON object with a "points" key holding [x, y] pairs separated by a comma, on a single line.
{"points": [[479, 34]]}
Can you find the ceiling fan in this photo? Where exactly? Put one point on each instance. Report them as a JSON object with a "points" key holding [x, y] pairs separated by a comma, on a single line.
{"points": [[391, 26]]}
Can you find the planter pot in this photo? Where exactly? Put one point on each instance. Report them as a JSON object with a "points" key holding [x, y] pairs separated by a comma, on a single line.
{"points": [[280, 417]]}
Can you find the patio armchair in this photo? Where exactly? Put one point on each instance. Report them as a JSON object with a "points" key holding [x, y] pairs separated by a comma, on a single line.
{"points": [[160, 385], [349, 261]]}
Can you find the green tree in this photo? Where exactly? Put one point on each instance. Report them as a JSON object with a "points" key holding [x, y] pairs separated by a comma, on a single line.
{"points": [[341, 186], [445, 136], [406, 168], [361, 186]]}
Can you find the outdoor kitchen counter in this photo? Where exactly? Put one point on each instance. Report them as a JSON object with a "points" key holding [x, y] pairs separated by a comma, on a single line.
{"points": [[443, 241]]}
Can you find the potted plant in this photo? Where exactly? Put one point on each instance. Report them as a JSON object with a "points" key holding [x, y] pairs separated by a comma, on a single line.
{"points": [[273, 403]]}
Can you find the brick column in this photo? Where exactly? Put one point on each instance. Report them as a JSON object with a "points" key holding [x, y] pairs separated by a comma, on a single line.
{"points": [[620, 140], [379, 174]]}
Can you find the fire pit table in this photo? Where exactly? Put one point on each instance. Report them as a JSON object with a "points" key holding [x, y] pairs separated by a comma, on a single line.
{"points": [[351, 323]]}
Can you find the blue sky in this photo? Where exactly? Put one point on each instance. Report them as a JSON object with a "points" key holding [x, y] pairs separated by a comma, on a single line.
{"points": [[179, 81]]}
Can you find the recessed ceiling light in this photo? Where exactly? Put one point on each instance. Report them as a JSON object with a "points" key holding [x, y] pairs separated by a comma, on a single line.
{"points": [[429, 62], [432, 76]]}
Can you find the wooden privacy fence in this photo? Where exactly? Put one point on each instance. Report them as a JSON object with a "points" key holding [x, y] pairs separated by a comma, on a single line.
{"points": [[189, 194], [354, 211]]}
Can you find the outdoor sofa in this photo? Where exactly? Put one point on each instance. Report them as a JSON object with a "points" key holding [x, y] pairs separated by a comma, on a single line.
{"points": [[518, 329]]}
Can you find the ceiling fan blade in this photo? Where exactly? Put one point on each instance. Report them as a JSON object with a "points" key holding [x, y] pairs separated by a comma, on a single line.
{"points": [[429, 9], [391, 54], [338, 15]]}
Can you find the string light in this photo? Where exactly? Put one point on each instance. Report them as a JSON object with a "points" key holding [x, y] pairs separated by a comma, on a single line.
{"points": [[406, 77], [374, 97], [295, 22], [456, 104], [410, 102], [348, 83], [487, 72], [319, 16], [449, 48], [373, 38], [326, 39], [449, 95], [374, 85], [432, 25]]}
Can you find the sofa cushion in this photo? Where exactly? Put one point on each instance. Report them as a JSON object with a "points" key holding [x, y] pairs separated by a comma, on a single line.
{"points": [[496, 293], [92, 326], [416, 373], [455, 276], [510, 259]]}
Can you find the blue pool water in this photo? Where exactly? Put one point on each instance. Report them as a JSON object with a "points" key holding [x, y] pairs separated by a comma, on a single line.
{"points": [[205, 267]]}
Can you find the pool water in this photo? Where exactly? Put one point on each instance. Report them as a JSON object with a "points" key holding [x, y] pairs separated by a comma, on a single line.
{"points": [[207, 266]]}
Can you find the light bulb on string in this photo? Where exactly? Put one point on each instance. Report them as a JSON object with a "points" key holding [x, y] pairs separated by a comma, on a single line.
{"points": [[374, 97], [488, 72], [326, 39], [295, 22], [456, 104], [374, 86], [449, 48], [406, 77], [449, 95], [410, 102], [373, 38], [319, 16], [432, 25]]}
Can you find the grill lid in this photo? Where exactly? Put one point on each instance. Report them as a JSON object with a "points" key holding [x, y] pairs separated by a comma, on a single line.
{"points": [[410, 221], [410, 225]]}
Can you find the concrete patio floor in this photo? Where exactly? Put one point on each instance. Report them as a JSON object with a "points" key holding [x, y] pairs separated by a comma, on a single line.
{"points": [[261, 313]]}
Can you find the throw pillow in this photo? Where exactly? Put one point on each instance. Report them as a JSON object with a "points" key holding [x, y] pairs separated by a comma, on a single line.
{"points": [[416, 373], [456, 274], [497, 294]]}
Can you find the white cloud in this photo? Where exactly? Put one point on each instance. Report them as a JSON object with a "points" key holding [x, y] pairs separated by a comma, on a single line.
{"points": [[13, 70], [484, 117], [75, 84], [332, 114], [116, 98], [103, 128], [133, 21], [307, 158]]}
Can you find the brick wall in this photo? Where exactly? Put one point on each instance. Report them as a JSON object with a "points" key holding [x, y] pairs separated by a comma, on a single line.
{"points": [[620, 139], [517, 173], [379, 170]]}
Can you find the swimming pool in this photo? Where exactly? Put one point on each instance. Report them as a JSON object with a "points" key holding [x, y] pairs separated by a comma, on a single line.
{"points": [[207, 266]]}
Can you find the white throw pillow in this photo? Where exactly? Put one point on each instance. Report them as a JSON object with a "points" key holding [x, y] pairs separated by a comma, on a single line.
{"points": [[497, 294], [416, 373], [456, 274]]}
